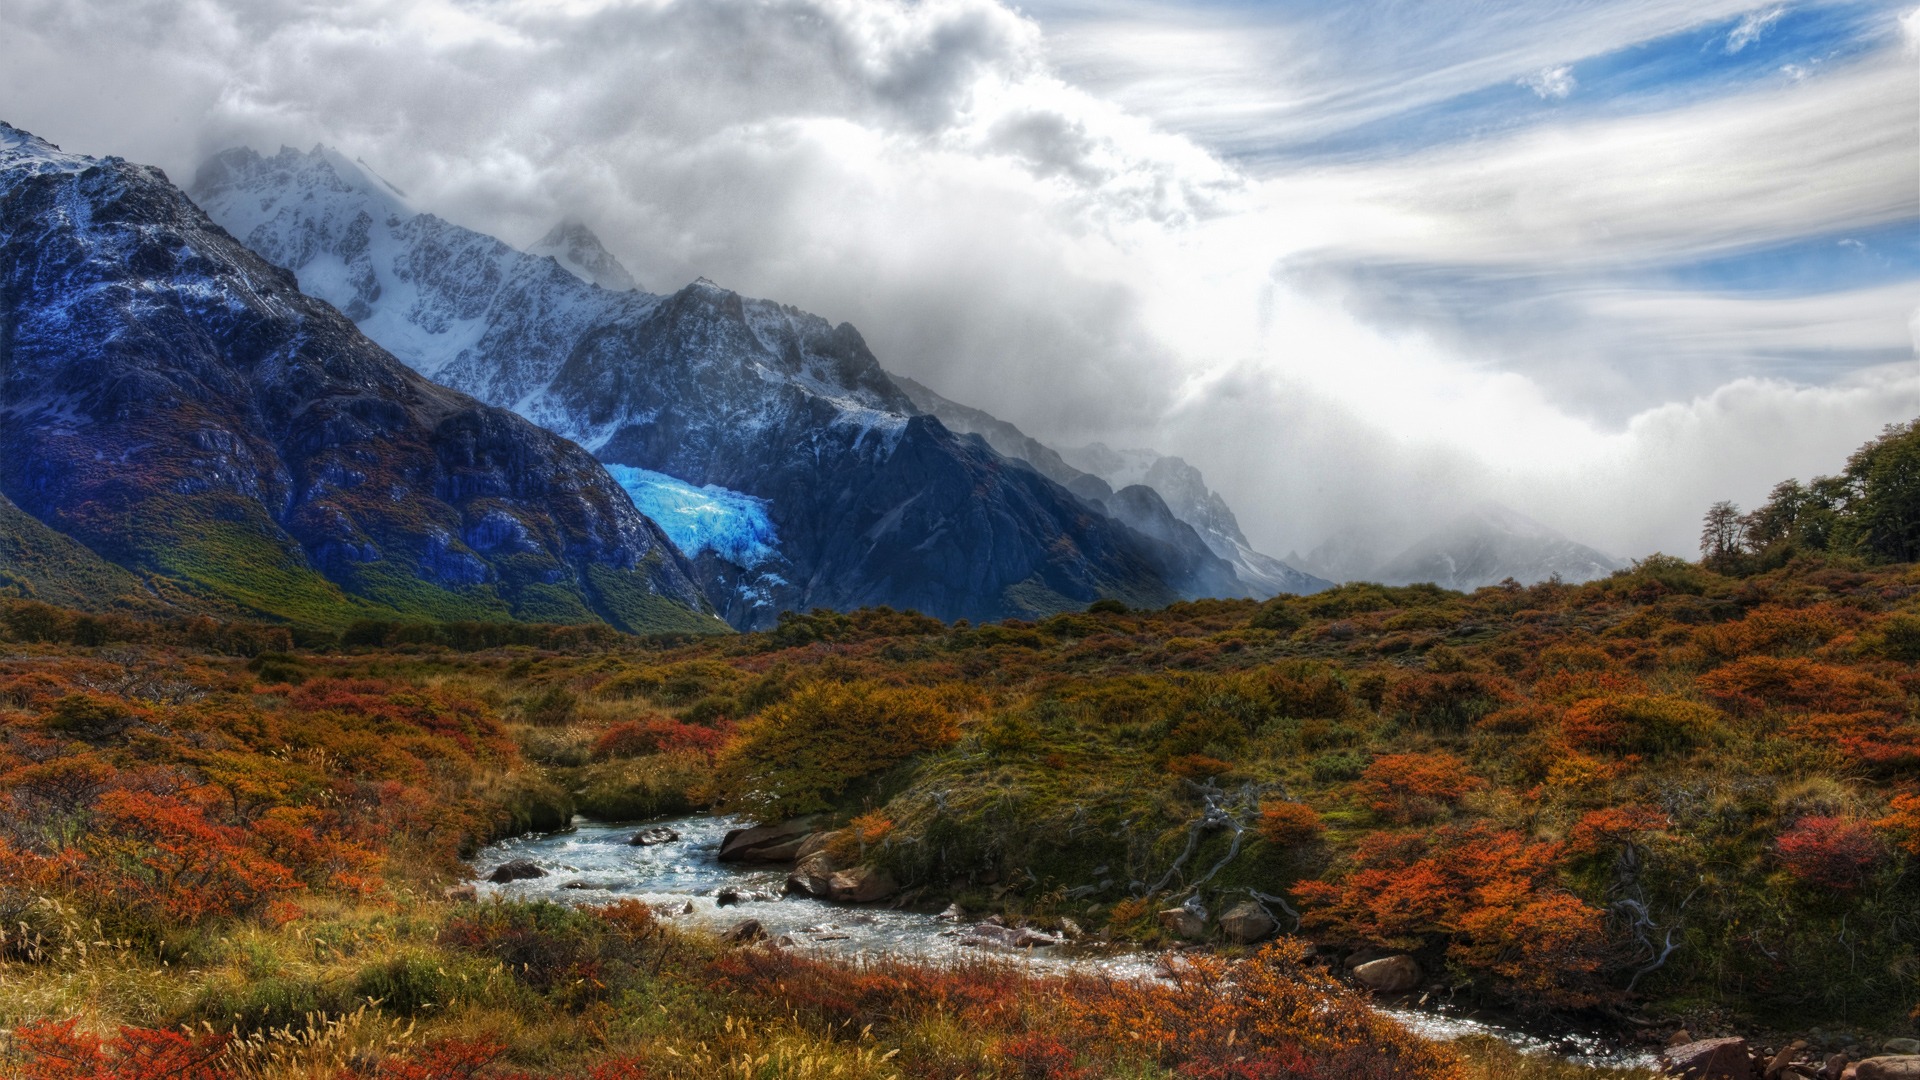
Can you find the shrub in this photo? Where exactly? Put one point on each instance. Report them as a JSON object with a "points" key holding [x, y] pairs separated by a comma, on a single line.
{"points": [[1753, 683], [1448, 702], [1641, 724], [659, 735], [1290, 824], [1490, 893], [796, 757], [58, 1050], [1829, 852], [1405, 788]]}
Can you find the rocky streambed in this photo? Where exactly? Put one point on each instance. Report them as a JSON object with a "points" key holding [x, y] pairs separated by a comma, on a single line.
{"points": [[675, 865]]}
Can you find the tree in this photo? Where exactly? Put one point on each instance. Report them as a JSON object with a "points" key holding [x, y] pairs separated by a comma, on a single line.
{"points": [[1883, 518], [1722, 535]]}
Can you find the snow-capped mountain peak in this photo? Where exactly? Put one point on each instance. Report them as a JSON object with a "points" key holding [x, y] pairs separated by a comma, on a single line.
{"points": [[23, 149], [575, 247]]}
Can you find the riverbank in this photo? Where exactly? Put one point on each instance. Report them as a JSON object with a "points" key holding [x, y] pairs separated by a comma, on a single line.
{"points": [[684, 880]]}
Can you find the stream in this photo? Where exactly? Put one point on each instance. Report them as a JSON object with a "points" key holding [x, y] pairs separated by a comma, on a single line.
{"points": [[594, 863]]}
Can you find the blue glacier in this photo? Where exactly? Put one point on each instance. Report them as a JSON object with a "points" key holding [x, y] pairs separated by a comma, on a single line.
{"points": [[728, 523]]}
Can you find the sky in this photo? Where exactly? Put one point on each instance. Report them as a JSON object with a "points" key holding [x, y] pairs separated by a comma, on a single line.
{"points": [[1364, 263]]}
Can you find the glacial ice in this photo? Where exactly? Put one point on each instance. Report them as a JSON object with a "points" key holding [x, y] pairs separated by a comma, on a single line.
{"points": [[732, 525]]}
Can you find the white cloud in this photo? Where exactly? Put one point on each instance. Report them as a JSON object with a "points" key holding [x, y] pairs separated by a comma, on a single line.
{"points": [[1551, 84], [944, 175], [1751, 28]]}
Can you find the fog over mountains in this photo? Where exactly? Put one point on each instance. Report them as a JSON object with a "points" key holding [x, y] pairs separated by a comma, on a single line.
{"points": [[792, 469]]}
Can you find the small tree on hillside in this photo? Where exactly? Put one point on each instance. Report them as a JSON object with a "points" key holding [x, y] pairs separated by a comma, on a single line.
{"points": [[1722, 536]]}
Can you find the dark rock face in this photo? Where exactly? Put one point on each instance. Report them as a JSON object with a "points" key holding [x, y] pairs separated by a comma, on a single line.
{"points": [[173, 402], [872, 503]]}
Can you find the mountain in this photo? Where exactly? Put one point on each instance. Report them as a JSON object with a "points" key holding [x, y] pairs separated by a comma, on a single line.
{"points": [[172, 405], [1211, 535], [797, 473], [1490, 544], [579, 252]]}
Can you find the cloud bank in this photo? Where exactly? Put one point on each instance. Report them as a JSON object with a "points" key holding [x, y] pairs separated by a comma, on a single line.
{"points": [[1123, 223]]}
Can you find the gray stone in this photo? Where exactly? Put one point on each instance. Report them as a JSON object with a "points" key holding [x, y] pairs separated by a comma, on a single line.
{"points": [[1888, 1067], [766, 843], [1389, 974], [744, 932], [515, 870], [1184, 922], [653, 837], [812, 876], [1709, 1059], [1006, 937], [1247, 922], [861, 885], [1906, 1047]]}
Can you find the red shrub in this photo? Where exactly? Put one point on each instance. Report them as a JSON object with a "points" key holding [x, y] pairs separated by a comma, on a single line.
{"points": [[1404, 788], [1042, 1057], [660, 735], [1829, 852], [50, 1050]]}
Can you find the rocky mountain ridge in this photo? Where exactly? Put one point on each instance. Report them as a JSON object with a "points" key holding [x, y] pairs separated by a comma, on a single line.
{"points": [[1160, 496], [172, 404], [866, 501]]}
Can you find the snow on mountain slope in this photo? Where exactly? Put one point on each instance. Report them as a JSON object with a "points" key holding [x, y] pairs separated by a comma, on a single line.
{"points": [[580, 252], [871, 502]]}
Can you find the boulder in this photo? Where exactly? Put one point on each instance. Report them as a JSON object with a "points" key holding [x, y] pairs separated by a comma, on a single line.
{"points": [[1888, 1067], [1901, 1046], [953, 913], [515, 870], [726, 897], [654, 837], [1184, 922], [1006, 937], [861, 885], [1247, 922], [812, 875], [461, 894], [1389, 974], [766, 843], [1709, 1059], [812, 845], [744, 932]]}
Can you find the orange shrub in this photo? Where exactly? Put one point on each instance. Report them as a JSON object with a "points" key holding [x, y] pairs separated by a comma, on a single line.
{"points": [[1903, 823], [1405, 788], [1876, 740], [1289, 824], [1753, 683], [1604, 831], [1490, 893]]}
